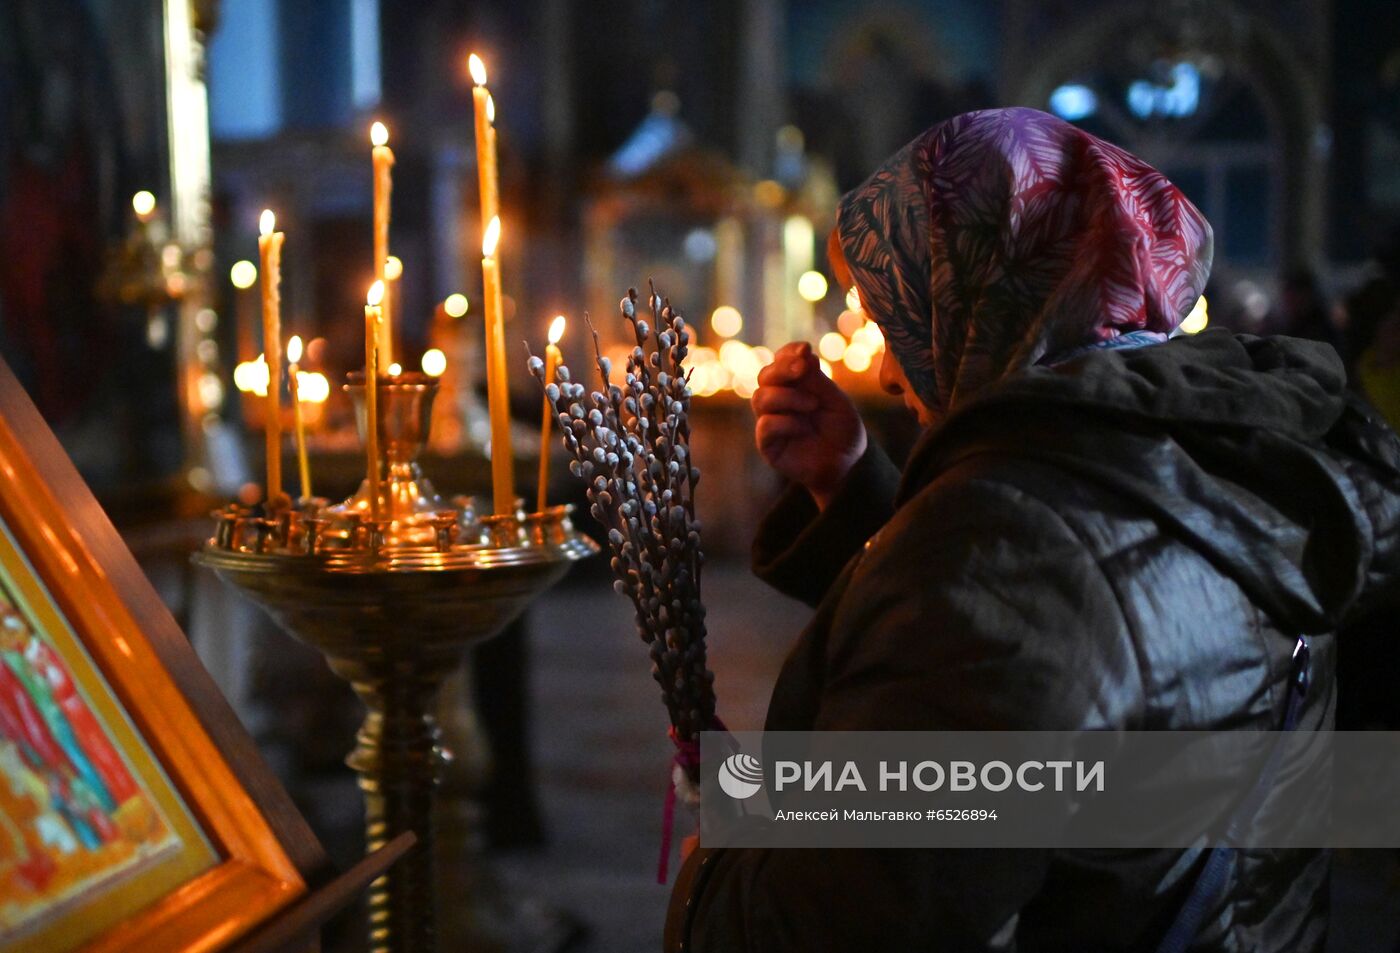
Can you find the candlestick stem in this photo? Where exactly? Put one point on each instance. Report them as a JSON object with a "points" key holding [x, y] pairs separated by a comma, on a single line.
{"points": [[399, 760]]}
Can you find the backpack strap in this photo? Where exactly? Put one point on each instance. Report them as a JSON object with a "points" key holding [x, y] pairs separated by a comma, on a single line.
{"points": [[1220, 861]]}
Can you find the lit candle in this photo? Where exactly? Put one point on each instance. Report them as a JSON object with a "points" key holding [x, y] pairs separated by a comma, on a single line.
{"points": [[373, 319], [497, 388], [492, 156], [303, 465], [383, 187], [393, 305], [485, 142], [270, 251], [552, 359]]}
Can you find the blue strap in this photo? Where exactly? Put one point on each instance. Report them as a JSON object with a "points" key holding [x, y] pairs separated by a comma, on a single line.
{"points": [[1215, 875]]}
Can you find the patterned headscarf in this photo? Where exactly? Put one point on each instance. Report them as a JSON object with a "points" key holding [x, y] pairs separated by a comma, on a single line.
{"points": [[1005, 238]]}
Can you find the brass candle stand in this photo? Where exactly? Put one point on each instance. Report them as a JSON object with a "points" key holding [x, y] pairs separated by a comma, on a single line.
{"points": [[393, 595]]}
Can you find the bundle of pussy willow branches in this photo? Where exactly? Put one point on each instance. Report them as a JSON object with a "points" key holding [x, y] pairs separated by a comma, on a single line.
{"points": [[631, 442]]}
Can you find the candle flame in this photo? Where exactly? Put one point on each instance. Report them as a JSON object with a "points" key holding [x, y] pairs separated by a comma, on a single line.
{"points": [[395, 369], [455, 305], [294, 349], [393, 268], [376, 295], [556, 329], [492, 238], [491, 109], [478, 69], [268, 223], [378, 134]]}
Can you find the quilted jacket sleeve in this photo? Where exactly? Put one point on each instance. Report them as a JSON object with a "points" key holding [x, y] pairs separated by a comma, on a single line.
{"points": [[800, 550]]}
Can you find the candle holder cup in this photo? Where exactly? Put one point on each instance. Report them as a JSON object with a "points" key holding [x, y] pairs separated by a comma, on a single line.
{"points": [[393, 600], [406, 497]]}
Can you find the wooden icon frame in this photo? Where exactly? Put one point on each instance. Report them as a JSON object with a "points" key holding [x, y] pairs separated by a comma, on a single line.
{"points": [[57, 546]]}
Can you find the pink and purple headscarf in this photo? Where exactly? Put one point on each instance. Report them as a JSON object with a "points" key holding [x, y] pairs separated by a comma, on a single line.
{"points": [[1005, 238]]}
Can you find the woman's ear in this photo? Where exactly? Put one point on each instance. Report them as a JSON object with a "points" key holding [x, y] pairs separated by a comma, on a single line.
{"points": [[837, 259]]}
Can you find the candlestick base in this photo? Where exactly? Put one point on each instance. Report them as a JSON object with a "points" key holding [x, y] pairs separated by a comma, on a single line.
{"points": [[394, 624]]}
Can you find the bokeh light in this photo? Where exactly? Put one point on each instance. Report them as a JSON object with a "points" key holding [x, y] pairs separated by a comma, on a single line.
{"points": [[243, 274], [1196, 321], [812, 286], [858, 357], [832, 346], [211, 390], [251, 376], [143, 203], [869, 337], [434, 362], [313, 387], [455, 305], [727, 321], [769, 194], [850, 322]]}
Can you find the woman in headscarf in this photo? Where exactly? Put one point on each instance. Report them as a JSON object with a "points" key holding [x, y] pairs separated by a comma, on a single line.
{"points": [[1101, 528]]}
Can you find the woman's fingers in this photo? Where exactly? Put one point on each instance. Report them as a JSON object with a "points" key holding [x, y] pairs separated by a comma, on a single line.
{"points": [[790, 365], [796, 369], [783, 400], [774, 429]]}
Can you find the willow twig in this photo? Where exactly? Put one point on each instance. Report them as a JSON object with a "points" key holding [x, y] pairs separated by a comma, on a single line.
{"points": [[631, 442]]}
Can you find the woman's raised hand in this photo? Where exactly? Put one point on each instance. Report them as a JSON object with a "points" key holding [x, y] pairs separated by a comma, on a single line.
{"points": [[808, 429]]}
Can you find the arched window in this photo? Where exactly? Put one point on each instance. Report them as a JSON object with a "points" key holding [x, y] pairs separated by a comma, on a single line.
{"points": [[1226, 101], [1203, 124]]}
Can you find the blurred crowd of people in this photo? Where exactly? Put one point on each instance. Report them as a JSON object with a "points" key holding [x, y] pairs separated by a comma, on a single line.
{"points": [[1362, 323]]}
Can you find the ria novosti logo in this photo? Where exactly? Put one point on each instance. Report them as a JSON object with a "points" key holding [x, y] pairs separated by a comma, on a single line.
{"points": [[740, 776]]}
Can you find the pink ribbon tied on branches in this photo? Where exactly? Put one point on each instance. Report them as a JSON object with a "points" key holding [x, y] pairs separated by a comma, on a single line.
{"points": [[687, 758]]}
